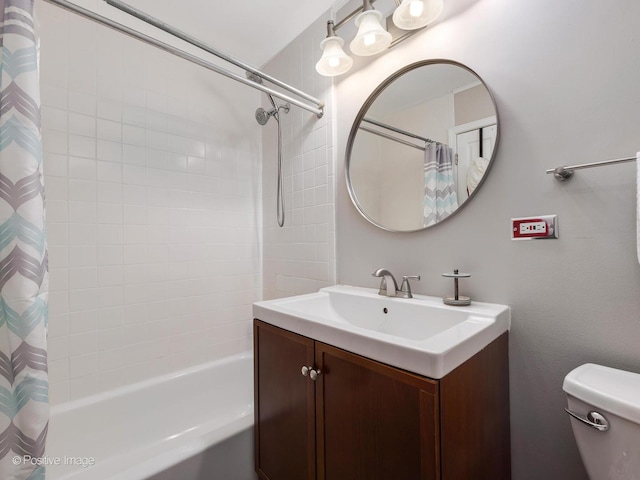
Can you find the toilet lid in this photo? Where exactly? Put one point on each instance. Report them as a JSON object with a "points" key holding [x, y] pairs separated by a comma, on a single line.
{"points": [[615, 391]]}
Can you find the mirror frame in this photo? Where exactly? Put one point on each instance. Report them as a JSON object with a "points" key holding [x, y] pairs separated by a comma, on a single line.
{"points": [[365, 107]]}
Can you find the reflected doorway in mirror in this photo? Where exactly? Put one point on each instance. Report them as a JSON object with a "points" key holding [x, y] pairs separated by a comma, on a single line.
{"points": [[473, 144]]}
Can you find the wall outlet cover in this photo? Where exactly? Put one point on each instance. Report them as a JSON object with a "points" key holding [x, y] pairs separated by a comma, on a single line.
{"points": [[534, 228]]}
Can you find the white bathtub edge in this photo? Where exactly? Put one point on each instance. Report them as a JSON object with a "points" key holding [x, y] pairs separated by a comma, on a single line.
{"points": [[126, 389], [165, 459]]}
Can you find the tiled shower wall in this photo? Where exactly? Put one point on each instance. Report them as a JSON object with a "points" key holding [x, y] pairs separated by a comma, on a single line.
{"points": [[152, 174], [300, 257]]}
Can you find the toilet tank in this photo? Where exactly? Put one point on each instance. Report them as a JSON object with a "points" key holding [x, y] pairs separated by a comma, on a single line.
{"points": [[612, 454]]}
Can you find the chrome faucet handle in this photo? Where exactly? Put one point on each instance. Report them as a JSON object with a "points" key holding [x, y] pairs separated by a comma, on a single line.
{"points": [[405, 288]]}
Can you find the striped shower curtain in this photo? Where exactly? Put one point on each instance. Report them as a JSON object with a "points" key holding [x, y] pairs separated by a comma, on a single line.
{"points": [[24, 386], [440, 198]]}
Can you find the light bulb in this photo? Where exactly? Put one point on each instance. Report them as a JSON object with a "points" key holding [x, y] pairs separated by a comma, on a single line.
{"points": [[369, 39], [416, 8], [333, 62], [415, 14]]}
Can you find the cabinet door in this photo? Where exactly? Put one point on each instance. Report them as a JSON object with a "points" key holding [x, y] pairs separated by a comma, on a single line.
{"points": [[374, 422], [284, 405]]}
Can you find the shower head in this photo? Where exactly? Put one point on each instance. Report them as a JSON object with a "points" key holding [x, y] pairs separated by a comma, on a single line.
{"points": [[262, 115]]}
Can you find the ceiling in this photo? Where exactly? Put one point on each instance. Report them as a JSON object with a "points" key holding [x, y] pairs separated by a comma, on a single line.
{"points": [[253, 31]]}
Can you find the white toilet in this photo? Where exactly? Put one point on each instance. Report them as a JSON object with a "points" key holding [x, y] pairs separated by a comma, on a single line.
{"points": [[604, 404]]}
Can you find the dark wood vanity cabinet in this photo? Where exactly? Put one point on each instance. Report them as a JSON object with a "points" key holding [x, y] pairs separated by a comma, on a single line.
{"points": [[364, 420]]}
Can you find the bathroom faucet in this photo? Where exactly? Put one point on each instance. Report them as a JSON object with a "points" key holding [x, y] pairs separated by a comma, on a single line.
{"points": [[384, 285]]}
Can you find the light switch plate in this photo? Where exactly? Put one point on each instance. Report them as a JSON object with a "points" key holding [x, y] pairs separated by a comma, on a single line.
{"points": [[534, 228]]}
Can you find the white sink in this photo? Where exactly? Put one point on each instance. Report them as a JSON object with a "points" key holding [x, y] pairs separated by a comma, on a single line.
{"points": [[421, 334]]}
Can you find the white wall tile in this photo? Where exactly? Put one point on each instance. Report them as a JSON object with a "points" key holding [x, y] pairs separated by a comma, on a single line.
{"points": [[109, 296], [81, 387], [85, 299], [83, 234], [80, 146], [110, 255], [82, 168], [109, 151], [82, 211], [84, 277], [57, 189], [297, 257], [133, 135], [56, 165], [145, 194], [83, 256], [82, 102], [134, 155], [54, 141], [110, 213], [110, 193], [58, 371], [55, 118], [109, 130], [109, 109], [109, 172], [80, 124], [83, 322], [83, 344], [110, 359], [82, 190]]}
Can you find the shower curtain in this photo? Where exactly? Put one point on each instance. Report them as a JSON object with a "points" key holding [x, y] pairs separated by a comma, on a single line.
{"points": [[440, 198], [24, 386]]}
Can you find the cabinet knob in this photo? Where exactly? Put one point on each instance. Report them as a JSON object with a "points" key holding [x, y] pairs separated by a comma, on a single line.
{"points": [[310, 372]]}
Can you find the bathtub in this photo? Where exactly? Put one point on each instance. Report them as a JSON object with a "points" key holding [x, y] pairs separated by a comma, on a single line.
{"points": [[195, 424]]}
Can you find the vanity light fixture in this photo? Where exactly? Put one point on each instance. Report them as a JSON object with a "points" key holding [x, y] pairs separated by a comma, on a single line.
{"points": [[372, 37], [333, 61]]}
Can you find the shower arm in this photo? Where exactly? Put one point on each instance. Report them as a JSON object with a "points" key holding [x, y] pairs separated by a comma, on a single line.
{"points": [[209, 49]]}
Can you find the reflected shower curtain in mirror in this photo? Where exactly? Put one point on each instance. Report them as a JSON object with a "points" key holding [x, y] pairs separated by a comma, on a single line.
{"points": [[24, 385], [440, 198]]}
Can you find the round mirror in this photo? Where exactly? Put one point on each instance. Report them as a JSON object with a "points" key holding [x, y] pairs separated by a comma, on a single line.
{"points": [[421, 146]]}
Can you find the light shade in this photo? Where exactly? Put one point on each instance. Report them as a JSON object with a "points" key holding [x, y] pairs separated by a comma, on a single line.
{"points": [[371, 37], [333, 61], [414, 14]]}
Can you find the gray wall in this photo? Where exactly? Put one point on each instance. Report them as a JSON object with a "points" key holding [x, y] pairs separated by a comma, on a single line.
{"points": [[566, 78]]}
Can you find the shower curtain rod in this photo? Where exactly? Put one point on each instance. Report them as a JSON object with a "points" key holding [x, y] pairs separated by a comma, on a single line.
{"points": [[207, 48], [391, 137], [397, 130], [83, 12]]}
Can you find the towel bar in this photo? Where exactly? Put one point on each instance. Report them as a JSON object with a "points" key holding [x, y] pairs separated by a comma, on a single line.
{"points": [[565, 173]]}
